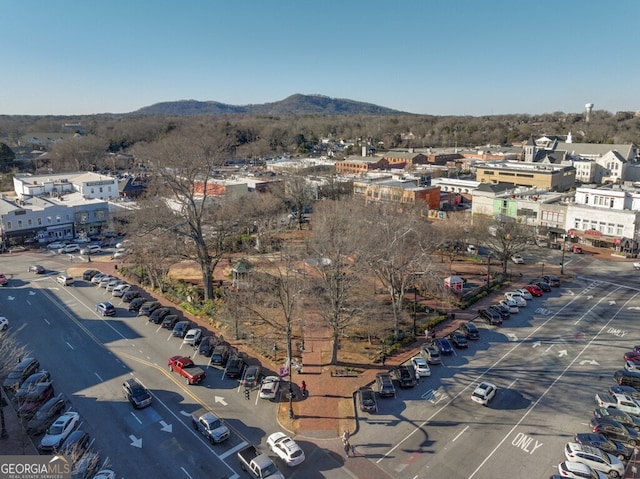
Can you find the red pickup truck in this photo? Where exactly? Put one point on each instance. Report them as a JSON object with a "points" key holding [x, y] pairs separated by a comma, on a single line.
{"points": [[185, 367]]}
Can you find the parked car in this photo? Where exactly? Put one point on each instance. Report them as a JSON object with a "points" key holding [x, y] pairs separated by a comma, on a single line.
{"points": [[105, 280], [510, 304], [543, 285], [136, 393], [420, 366], [517, 259], [490, 316], [106, 309], [501, 310], [29, 408], [56, 245], [616, 431], [444, 346], [235, 366], [252, 375], [20, 373], [431, 354], [484, 393], [366, 400], [616, 448], [626, 390], [119, 253], [91, 249], [113, 284], [285, 448], [617, 415], [517, 297], [170, 321], [577, 470], [220, 354], [526, 294], [70, 248], [385, 385], [46, 415], [130, 294], [149, 307], [181, 328], [205, 348], [470, 330], [37, 269], [552, 279], [88, 274], [534, 289], [269, 388], [119, 290], [158, 315], [59, 431], [97, 278], [458, 340], [405, 376], [33, 386], [136, 303]]}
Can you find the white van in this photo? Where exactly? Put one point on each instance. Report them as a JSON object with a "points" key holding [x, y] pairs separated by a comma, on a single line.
{"points": [[65, 280]]}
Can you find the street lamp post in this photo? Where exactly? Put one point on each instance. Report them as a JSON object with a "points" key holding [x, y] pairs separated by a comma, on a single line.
{"points": [[542, 273], [564, 247], [290, 367], [488, 273]]}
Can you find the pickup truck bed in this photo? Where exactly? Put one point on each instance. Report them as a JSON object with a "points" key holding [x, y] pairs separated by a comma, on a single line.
{"points": [[185, 367], [257, 464]]}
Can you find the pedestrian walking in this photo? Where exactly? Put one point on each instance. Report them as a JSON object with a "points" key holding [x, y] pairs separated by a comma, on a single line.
{"points": [[345, 436], [303, 388], [383, 358], [347, 448]]}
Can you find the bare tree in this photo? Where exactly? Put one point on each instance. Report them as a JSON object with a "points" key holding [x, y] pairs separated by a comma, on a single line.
{"points": [[9, 348], [395, 246], [505, 237], [183, 166], [335, 258]]}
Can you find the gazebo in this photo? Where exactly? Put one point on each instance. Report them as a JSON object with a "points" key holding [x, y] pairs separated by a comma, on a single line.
{"points": [[454, 283], [240, 271]]}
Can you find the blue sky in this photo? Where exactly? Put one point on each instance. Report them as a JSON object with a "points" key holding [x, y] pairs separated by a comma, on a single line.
{"points": [[421, 56]]}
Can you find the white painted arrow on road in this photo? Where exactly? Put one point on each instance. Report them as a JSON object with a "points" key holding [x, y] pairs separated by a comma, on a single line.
{"points": [[571, 292], [512, 337], [562, 353], [32, 293], [592, 362], [612, 302], [220, 400], [10, 298], [135, 442], [536, 344], [590, 297], [185, 413], [634, 308], [166, 427]]}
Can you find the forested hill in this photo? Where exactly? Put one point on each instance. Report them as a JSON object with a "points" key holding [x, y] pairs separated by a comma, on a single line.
{"points": [[293, 105]]}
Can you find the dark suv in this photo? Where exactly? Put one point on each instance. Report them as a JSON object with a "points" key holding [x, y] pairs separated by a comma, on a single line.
{"points": [[158, 315], [136, 393], [149, 307], [45, 416], [181, 328], [220, 354], [470, 330], [136, 304], [385, 385], [490, 316], [20, 373], [503, 311], [234, 367], [405, 376]]}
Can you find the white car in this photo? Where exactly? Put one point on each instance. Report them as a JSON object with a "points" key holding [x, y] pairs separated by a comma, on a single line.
{"points": [[484, 393], [525, 294], [577, 470], [59, 431], [120, 253], [270, 387], [119, 290], [517, 259], [285, 448], [91, 249], [420, 366], [70, 248], [55, 245], [113, 284], [471, 249], [594, 458], [192, 338], [4, 323], [630, 365], [510, 304], [517, 298]]}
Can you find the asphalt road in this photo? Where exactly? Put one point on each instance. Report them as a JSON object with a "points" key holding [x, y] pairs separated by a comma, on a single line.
{"points": [[90, 356], [548, 361]]}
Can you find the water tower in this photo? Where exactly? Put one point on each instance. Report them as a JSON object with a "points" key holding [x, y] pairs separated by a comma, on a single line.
{"points": [[588, 107]]}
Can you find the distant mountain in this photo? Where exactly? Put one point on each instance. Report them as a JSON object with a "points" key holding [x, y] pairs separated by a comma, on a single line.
{"points": [[293, 105]]}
